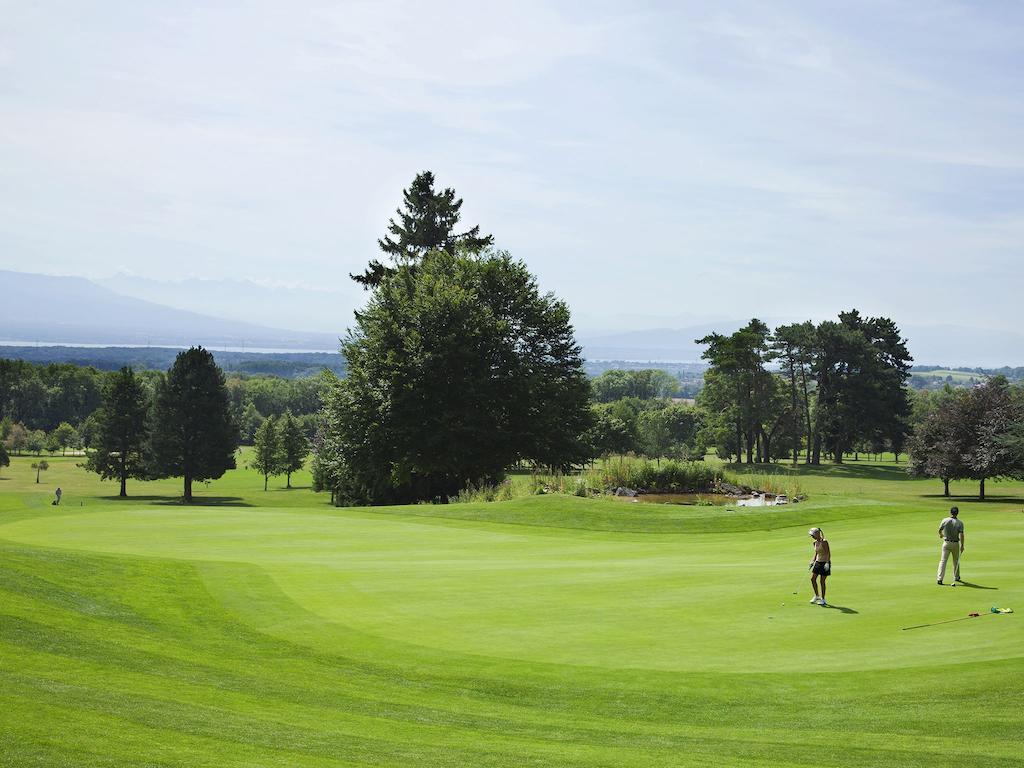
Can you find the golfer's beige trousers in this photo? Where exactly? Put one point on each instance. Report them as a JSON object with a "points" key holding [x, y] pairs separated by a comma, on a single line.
{"points": [[950, 548]]}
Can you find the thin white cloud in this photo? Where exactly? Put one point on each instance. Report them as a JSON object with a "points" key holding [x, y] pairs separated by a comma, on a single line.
{"points": [[633, 155]]}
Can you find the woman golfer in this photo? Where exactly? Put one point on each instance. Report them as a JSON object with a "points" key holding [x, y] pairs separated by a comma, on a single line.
{"points": [[821, 565]]}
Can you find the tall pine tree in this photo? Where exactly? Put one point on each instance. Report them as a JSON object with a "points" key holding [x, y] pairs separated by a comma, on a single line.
{"points": [[120, 430], [426, 222], [193, 434]]}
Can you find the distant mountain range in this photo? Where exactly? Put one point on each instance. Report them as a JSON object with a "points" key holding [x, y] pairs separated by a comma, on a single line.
{"points": [[327, 309], [49, 310], [46, 309]]}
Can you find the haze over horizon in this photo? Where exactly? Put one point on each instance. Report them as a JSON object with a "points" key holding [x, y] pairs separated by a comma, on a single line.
{"points": [[646, 161]]}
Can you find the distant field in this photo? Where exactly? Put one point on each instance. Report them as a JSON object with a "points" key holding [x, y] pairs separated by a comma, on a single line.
{"points": [[957, 376], [270, 629]]}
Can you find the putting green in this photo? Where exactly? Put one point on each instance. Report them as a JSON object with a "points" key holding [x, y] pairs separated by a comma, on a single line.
{"points": [[503, 590], [271, 629]]}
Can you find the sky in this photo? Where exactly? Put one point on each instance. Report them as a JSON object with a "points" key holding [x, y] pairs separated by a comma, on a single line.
{"points": [[653, 163]]}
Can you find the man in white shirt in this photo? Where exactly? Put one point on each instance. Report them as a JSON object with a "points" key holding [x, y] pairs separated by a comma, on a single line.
{"points": [[951, 531]]}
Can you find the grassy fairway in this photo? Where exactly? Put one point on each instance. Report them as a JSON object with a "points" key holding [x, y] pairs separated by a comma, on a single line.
{"points": [[269, 629]]}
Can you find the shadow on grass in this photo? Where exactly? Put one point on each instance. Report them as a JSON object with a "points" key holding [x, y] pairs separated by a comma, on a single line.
{"points": [[989, 499], [177, 501], [854, 470], [975, 586], [840, 608]]}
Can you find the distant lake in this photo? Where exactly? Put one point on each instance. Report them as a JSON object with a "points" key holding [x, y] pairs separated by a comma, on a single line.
{"points": [[211, 347]]}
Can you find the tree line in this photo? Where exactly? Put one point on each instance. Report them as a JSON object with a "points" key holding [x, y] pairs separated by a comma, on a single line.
{"points": [[806, 389], [459, 367], [50, 407], [181, 424]]}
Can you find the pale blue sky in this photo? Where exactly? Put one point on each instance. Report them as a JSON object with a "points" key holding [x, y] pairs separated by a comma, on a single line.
{"points": [[672, 161]]}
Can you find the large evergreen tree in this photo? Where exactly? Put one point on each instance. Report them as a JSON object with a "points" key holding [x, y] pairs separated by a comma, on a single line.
{"points": [[861, 367], [120, 431], [794, 346], [426, 222], [746, 387], [458, 368], [193, 433]]}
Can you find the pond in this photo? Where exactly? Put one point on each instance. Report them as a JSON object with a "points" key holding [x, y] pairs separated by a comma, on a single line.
{"points": [[716, 499]]}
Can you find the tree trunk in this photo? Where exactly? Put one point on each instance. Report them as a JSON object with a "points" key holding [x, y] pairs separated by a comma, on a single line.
{"points": [[837, 454], [37, 474], [188, 489], [816, 456], [739, 442], [288, 484], [266, 478], [945, 486], [981, 489], [124, 479]]}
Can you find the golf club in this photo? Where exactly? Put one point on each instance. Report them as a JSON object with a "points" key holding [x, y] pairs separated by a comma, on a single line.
{"points": [[802, 582], [797, 590]]}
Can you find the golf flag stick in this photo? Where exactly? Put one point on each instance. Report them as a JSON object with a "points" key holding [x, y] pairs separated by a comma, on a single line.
{"points": [[947, 621]]}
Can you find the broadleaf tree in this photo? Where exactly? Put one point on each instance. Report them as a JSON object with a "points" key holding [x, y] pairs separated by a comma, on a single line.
{"points": [[266, 456], [294, 446], [458, 368]]}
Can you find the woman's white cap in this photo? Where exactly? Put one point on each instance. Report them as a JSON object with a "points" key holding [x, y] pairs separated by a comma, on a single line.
{"points": [[813, 531]]}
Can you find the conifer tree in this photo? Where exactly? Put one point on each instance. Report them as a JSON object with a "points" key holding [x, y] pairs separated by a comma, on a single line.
{"points": [[193, 435], [426, 222], [120, 430]]}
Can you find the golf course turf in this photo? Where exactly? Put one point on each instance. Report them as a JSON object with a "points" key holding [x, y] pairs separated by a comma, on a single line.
{"points": [[271, 629]]}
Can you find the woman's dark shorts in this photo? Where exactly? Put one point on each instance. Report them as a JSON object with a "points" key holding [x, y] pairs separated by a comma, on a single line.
{"points": [[821, 569]]}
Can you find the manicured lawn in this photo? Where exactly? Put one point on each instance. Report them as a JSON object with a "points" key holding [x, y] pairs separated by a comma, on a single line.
{"points": [[270, 629]]}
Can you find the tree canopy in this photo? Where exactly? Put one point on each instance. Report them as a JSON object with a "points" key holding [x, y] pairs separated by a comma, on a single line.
{"points": [[975, 434], [458, 368]]}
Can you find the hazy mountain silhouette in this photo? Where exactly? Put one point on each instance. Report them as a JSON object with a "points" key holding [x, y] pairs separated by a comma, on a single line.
{"points": [[72, 309]]}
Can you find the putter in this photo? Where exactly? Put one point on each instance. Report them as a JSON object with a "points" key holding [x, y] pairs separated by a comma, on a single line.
{"points": [[797, 591]]}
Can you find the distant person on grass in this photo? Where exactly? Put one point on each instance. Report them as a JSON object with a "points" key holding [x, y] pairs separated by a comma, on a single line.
{"points": [[951, 531], [57, 494], [821, 565]]}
